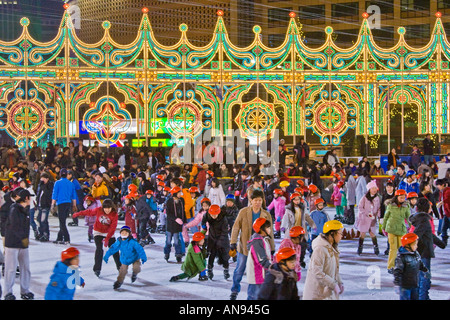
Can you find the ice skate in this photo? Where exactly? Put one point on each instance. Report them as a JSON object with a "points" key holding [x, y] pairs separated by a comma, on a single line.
{"points": [[27, 296], [117, 285]]}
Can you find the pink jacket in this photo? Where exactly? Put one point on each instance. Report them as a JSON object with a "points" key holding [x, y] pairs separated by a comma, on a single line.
{"points": [[279, 204], [336, 196], [194, 222], [287, 243]]}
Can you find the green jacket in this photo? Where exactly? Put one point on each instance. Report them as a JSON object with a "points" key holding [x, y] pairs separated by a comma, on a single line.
{"points": [[195, 262], [395, 218]]}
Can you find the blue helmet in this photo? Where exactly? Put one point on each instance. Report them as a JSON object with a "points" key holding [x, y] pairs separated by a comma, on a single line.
{"points": [[230, 197], [410, 173], [127, 228]]}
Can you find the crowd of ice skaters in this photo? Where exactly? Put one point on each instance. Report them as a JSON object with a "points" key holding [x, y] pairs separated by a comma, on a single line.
{"points": [[209, 220]]}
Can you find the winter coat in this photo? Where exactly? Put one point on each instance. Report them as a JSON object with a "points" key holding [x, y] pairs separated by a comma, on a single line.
{"points": [[319, 218], [130, 251], [385, 198], [193, 223], [361, 189], [217, 196], [323, 273], [217, 231], [445, 198], [174, 211], [289, 218], [44, 194], [17, 227], [351, 191], [336, 196], [259, 258], [422, 227], [143, 210], [104, 223], [279, 285], [243, 229], [287, 243], [279, 204], [409, 187], [407, 268], [394, 218], [58, 288], [231, 213], [195, 261], [368, 212], [311, 198]]}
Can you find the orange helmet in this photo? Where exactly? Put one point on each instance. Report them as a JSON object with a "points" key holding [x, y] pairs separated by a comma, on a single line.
{"points": [[298, 190], [210, 173], [150, 192], [400, 192], [69, 253], [412, 195], [278, 191], [296, 231], [205, 200], [167, 189], [284, 253], [214, 210], [320, 200], [258, 224], [313, 188], [198, 236], [194, 190], [300, 183], [409, 238], [132, 188], [175, 190], [294, 195], [160, 177], [161, 184]]}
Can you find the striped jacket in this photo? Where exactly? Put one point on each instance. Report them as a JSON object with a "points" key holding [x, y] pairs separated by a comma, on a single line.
{"points": [[259, 258]]}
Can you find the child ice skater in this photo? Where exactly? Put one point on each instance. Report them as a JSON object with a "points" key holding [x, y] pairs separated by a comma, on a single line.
{"points": [[131, 253]]}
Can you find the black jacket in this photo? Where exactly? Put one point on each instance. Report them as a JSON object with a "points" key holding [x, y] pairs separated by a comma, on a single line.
{"points": [[428, 146], [407, 269], [217, 231], [143, 210], [44, 194], [17, 227], [279, 285], [173, 212], [4, 211], [422, 227]]}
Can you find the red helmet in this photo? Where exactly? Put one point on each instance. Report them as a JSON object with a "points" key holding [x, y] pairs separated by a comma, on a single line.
{"points": [[132, 188], [210, 173], [198, 236], [194, 190], [340, 183], [214, 210], [237, 193], [409, 238], [294, 195], [298, 190], [132, 195], [160, 177], [296, 231], [167, 189], [5, 188], [320, 200], [400, 192], [412, 195], [300, 183], [284, 253], [258, 224], [129, 196], [149, 192], [89, 198], [114, 178], [313, 188], [175, 190], [278, 191], [161, 184], [205, 200], [69, 253]]}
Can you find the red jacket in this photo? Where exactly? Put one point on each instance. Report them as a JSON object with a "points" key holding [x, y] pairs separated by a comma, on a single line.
{"points": [[445, 194], [104, 223]]}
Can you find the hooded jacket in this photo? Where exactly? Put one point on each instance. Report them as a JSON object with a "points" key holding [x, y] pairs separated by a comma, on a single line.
{"points": [[58, 288], [407, 268], [279, 285], [17, 227], [427, 240], [395, 216], [130, 251], [259, 258]]}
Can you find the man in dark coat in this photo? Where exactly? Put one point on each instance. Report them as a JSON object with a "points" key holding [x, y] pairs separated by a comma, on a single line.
{"points": [[428, 146], [422, 227], [143, 213]]}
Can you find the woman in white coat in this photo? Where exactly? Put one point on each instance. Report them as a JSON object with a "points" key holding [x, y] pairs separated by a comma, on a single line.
{"points": [[216, 193]]}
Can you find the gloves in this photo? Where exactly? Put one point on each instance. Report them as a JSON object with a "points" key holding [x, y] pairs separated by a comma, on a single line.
{"points": [[337, 290], [179, 221], [105, 259], [278, 219], [283, 230], [233, 246], [143, 261]]}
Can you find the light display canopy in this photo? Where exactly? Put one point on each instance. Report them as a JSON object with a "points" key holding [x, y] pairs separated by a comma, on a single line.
{"points": [[188, 89]]}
